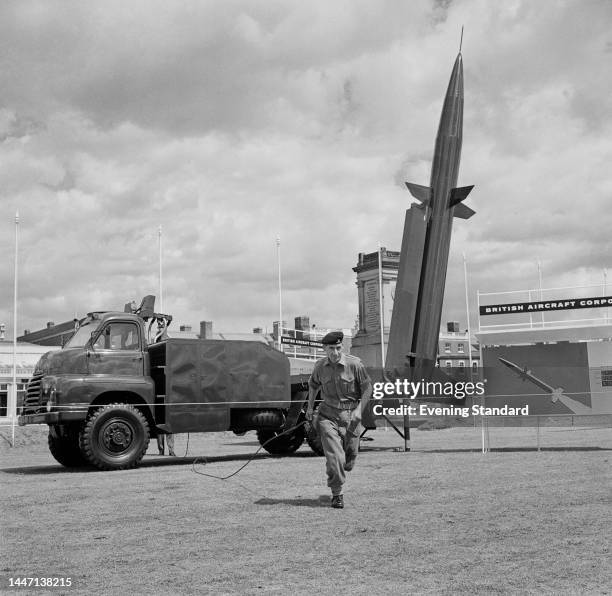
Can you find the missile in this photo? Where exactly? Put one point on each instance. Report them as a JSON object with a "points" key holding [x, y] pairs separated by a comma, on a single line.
{"points": [[419, 293]]}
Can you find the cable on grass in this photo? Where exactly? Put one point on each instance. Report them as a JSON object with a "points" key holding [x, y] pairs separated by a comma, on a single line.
{"points": [[203, 461]]}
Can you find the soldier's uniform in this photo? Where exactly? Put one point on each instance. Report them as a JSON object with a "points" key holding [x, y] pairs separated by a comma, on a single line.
{"points": [[342, 386]]}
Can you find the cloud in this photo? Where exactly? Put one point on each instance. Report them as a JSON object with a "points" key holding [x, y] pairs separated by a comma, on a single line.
{"points": [[232, 123]]}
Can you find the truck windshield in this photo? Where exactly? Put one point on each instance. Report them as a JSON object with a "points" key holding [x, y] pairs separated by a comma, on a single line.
{"points": [[82, 335]]}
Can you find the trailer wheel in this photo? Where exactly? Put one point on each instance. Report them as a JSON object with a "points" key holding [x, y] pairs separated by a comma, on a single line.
{"points": [[268, 422], [284, 444], [64, 447], [115, 437]]}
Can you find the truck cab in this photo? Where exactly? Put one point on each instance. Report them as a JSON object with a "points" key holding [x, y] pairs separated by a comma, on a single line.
{"points": [[107, 352]]}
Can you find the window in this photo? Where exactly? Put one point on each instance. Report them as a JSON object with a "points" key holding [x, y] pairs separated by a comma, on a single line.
{"points": [[448, 363], [22, 385], [462, 363], [118, 336], [461, 348], [3, 399], [82, 335], [447, 348], [606, 378], [475, 365]]}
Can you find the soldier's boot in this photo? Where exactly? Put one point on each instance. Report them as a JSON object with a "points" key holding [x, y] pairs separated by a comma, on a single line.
{"points": [[337, 502]]}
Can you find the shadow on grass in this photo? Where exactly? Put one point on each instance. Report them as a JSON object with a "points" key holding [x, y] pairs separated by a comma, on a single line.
{"points": [[46, 470], [156, 461], [322, 501]]}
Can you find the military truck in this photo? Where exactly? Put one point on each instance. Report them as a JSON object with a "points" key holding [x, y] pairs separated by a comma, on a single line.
{"points": [[118, 381]]}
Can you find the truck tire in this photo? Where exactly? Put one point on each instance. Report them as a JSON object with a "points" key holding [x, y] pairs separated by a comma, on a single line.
{"points": [[115, 437], [267, 420], [284, 444], [64, 447]]}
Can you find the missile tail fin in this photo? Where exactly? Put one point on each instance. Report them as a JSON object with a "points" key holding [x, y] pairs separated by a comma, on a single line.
{"points": [[420, 193], [463, 211], [459, 194]]}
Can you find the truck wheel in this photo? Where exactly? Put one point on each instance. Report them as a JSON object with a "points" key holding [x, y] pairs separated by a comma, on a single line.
{"points": [[64, 447], [284, 444], [115, 437]]}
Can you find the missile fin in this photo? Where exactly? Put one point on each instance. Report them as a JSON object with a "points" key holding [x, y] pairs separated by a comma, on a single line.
{"points": [[463, 211], [420, 193], [459, 194]]}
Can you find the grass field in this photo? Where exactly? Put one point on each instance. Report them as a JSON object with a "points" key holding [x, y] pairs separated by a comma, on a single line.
{"points": [[442, 519]]}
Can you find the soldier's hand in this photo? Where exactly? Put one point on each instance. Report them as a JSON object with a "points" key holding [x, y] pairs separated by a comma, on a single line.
{"points": [[309, 414]]}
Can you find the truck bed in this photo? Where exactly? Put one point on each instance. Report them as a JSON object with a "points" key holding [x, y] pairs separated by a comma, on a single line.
{"points": [[198, 381]]}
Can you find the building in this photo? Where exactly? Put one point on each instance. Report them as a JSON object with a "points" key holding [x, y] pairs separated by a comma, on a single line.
{"points": [[304, 339], [51, 335], [26, 357], [455, 348], [375, 271], [378, 271], [58, 335]]}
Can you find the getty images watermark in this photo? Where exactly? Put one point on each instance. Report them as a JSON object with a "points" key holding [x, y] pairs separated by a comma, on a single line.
{"points": [[402, 388]]}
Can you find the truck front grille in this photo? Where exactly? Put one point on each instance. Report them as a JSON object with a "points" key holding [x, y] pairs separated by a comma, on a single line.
{"points": [[32, 404]]}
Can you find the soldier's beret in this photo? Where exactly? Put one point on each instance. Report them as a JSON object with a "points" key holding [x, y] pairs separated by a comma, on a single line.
{"points": [[333, 338]]}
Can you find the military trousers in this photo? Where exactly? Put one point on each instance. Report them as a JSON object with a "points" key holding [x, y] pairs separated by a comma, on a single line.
{"points": [[338, 444], [160, 444]]}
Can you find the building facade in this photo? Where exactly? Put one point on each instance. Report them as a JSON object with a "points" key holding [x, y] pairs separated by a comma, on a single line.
{"points": [[455, 348], [376, 279]]}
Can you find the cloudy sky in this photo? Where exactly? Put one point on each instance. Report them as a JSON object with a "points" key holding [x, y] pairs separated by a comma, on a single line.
{"points": [[231, 122]]}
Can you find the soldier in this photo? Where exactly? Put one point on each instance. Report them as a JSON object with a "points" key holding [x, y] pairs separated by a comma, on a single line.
{"points": [[345, 390], [169, 440]]}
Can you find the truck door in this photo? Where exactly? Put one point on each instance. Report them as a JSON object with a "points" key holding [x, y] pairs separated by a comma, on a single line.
{"points": [[117, 351]]}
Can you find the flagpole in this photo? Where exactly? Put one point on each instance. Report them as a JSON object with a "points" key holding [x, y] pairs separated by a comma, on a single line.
{"points": [[13, 405], [467, 313], [161, 296], [540, 283], [605, 291], [280, 294], [380, 306]]}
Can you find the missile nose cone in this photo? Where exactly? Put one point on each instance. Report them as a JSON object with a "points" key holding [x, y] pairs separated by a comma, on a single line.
{"points": [[451, 119], [455, 85]]}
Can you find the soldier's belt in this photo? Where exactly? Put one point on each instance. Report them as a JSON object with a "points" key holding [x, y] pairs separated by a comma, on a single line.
{"points": [[344, 405]]}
